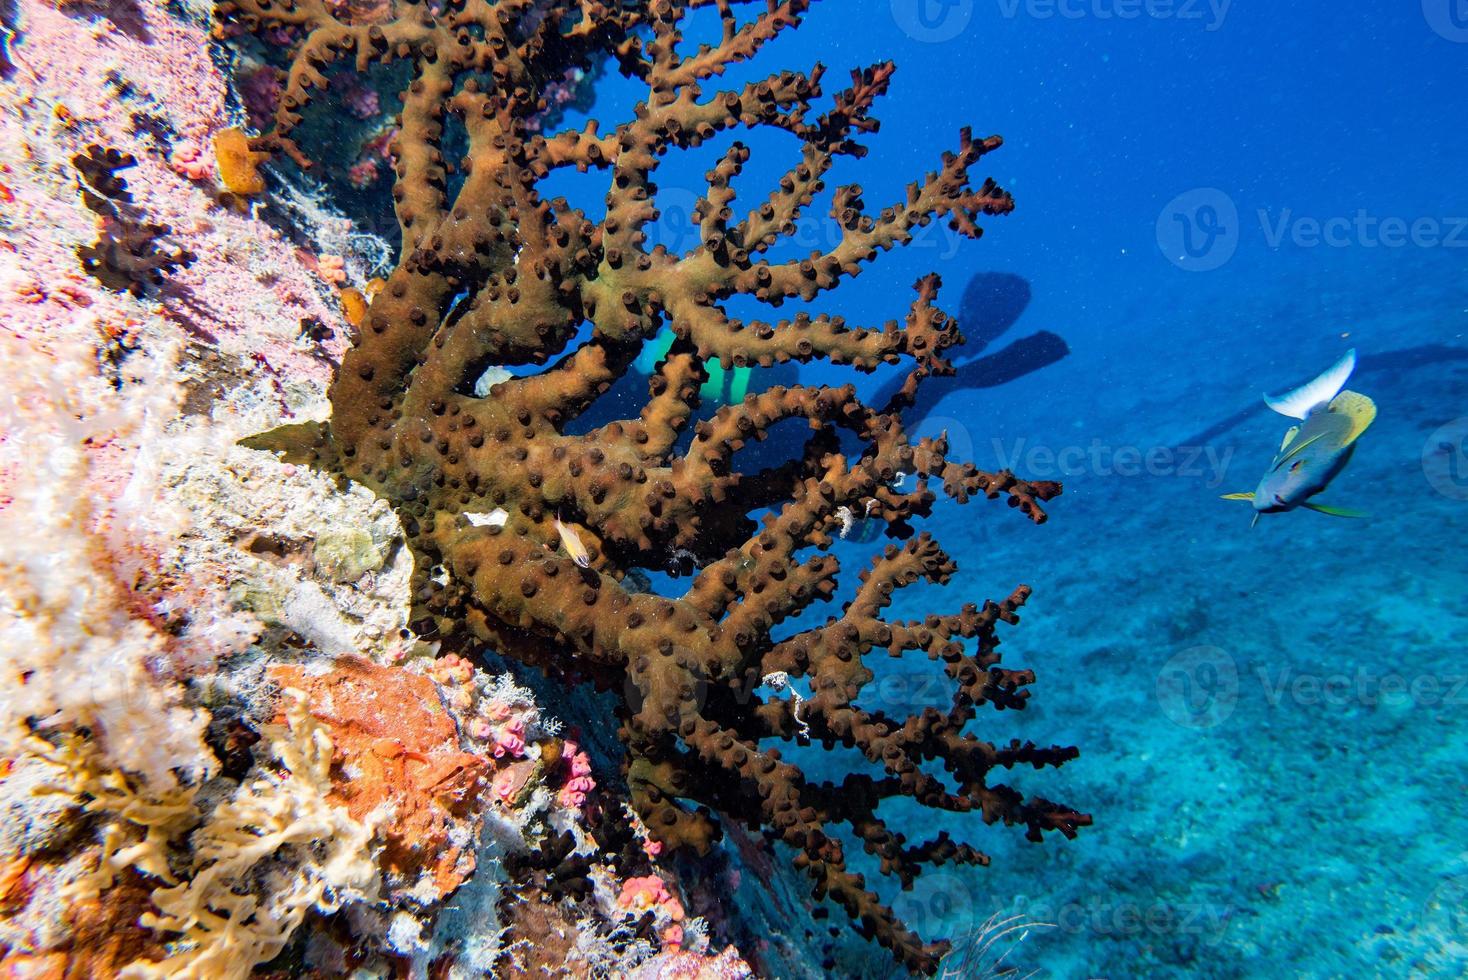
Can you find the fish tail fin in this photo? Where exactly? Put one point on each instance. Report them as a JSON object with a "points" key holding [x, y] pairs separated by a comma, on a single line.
{"points": [[1333, 511], [1298, 403]]}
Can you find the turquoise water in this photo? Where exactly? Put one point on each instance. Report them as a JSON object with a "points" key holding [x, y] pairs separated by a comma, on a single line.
{"points": [[1212, 203]]}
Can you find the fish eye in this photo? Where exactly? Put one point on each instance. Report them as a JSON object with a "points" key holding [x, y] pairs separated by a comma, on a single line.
{"points": [[1295, 466]]}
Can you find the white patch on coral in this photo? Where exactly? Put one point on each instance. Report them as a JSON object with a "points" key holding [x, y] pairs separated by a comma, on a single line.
{"points": [[405, 935], [847, 519], [492, 376]]}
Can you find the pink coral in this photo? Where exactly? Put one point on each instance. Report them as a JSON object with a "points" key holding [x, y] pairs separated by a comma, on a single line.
{"points": [[332, 268], [649, 892], [509, 739], [452, 669], [189, 161], [374, 153], [363, 172], [260, 90], [573, 794]]}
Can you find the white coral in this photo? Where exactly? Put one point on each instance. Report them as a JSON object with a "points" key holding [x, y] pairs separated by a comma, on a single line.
{"points": [[77, 641]]}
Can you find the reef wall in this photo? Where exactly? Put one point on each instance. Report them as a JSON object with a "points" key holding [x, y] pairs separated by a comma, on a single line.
{"points": [[221, 746], [253, 713]]}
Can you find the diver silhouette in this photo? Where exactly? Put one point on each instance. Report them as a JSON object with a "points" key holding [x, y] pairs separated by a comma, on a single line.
{"points": [[992, 303]]}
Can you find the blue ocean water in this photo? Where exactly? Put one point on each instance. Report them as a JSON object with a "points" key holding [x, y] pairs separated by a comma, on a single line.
{"points": [[1212, 202]]}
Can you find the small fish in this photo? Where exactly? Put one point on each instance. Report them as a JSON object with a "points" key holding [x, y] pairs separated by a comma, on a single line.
{"points": [[1315, 451], [572, 543]]}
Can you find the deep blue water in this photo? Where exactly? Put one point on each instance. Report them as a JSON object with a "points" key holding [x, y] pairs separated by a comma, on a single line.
{"points": [[1212, 203]]}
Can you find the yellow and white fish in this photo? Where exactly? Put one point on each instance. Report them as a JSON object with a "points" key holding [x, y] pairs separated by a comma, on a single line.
{"points": [[571, 541], [1315, 451]]}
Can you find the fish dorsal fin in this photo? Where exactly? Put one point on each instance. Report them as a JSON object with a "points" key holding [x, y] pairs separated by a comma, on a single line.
{"points": [[1298, 446], [1297, 404], [1359, 409]]}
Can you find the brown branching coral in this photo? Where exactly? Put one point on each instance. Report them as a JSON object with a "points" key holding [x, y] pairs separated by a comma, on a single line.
{"points": [[127, 256], [492, 274]]}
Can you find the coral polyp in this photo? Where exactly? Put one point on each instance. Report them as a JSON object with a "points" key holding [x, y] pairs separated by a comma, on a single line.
{"points": [[493, 274]]}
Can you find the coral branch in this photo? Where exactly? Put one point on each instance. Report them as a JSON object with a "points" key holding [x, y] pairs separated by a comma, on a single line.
{"points": [[491, 274]]}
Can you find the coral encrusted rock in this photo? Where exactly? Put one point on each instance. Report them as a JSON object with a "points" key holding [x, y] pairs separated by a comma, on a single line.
{"points": [[492, 274]]}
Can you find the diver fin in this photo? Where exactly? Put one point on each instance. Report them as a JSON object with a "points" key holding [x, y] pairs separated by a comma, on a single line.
{"points": [[1332, 511], [1246, 495], [712, 390], [647, 361], [1297, 404], [1359, 409], [739, 385]]}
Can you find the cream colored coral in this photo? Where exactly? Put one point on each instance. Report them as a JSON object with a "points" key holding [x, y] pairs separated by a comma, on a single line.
{"points": [[125, 809], [261, 860], [279, 833]]}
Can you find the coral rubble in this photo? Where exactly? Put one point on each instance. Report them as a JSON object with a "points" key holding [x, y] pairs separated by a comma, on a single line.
{"points": [[492, 274]]}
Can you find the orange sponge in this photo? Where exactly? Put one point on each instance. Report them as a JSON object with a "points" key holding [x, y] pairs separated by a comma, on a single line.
{"points": [[239, 166]]}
